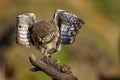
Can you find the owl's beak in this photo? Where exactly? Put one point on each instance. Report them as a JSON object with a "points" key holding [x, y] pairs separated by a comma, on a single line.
{"points": [[41, 40]]}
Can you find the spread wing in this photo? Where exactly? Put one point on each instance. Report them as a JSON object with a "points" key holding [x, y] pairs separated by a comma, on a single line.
{"points": [[24, 23], [69, 25]]}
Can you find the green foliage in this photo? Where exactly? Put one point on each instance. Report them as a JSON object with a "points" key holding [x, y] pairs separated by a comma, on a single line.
{"points": [[63, 55], [39, 76]]}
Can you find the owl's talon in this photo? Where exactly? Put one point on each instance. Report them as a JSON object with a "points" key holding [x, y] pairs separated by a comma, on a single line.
{"points": [[57, 61], [47, 55]]}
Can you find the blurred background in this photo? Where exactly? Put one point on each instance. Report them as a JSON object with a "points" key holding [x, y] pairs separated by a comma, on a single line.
{"points": [[95, 54]]}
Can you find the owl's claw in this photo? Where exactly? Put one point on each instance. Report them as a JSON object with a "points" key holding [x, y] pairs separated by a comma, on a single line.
{"points": [[47, 55]]}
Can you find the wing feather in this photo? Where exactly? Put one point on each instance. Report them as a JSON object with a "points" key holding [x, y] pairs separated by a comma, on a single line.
{"points": [[24, 23], [69, 25]]}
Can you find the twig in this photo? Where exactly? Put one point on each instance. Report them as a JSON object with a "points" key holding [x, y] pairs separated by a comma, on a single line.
{"points": [[52, 68]]}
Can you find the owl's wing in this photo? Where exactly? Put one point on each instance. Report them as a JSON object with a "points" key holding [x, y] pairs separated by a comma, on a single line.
{"points": [[69, 25], [24, 23]]}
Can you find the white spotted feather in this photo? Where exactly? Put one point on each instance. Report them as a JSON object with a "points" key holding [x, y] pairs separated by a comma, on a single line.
{"points": [[24, 23]]}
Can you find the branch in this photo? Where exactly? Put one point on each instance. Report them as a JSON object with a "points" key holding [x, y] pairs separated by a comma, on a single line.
{"points": [[52, 68]]}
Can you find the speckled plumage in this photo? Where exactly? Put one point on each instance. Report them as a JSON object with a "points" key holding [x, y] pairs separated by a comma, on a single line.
{"points": [[44, 36], [47, 36], [24, 23], [69, 25]]}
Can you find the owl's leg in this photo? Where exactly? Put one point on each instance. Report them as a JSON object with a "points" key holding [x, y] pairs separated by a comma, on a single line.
{"points": [[47, 55], [58, 46], [55, 49], [44, 52]]}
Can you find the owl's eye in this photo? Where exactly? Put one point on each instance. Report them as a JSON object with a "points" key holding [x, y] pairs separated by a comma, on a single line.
{"points": [[47, 38], [39, 39]]}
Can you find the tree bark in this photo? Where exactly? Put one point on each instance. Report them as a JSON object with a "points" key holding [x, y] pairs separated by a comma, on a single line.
{"points": [[52, 68]]}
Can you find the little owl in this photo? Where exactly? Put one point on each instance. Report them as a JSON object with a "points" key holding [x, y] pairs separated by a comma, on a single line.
{"points": [[47, 36]]}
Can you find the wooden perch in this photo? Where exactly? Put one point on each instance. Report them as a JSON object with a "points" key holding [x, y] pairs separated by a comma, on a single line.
{"points": [[52, 68]]}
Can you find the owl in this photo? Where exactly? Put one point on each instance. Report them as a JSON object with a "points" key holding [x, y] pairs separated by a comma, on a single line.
{"points": [[47, 36]]}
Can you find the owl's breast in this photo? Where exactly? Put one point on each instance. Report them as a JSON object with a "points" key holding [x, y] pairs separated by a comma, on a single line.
{"points": [[50, 47]]}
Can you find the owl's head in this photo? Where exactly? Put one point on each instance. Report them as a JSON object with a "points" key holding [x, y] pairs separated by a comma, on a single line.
{"points": [[43, 32]]}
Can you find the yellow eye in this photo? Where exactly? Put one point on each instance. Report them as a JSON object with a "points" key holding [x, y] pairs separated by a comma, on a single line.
{"points": [[48, 37]]}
